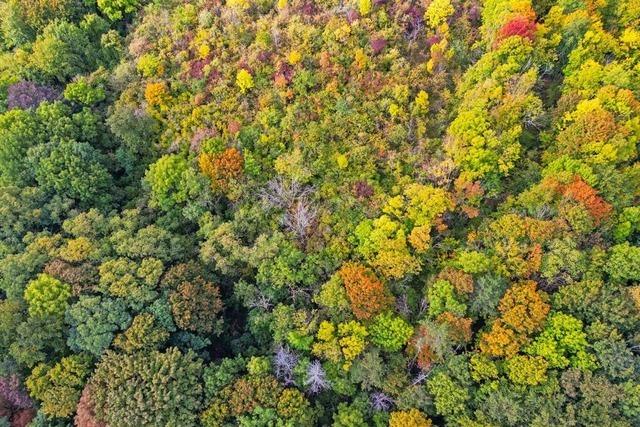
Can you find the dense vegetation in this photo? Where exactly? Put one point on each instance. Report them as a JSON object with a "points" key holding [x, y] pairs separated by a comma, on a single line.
{"points": [[300, 213]]}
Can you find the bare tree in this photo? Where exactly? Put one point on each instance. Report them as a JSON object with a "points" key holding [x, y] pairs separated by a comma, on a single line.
{"points": [[292, 197], [379, 401], [284, 363], [316, 380], [299, 218]]}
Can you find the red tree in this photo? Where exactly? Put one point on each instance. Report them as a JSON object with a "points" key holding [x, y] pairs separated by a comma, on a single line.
{"points": [[85, 413], [518, 26]]}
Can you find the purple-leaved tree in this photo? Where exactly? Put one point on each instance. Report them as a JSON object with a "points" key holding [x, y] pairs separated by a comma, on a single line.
{"points": [[27, 95], [13, 394]]}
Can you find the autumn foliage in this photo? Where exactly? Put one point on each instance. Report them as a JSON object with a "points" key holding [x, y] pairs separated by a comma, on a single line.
{"points": [[523, 310], [300, 213], [518, 26], [583, 193], [365, 291], [461, 281], [85, 413], [195, 305], [221, 168]]}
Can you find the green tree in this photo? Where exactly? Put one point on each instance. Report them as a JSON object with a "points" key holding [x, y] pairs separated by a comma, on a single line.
{"points": [[72, 169], [38, 339], [93, 322], [135, 283], [450, 397], [563, 343], [117, 9], [19, 130], [442, 298], [63, 50], [47, 296], [390, 332], [164, 178], [623, 262], [135, 390], [58, 387]]}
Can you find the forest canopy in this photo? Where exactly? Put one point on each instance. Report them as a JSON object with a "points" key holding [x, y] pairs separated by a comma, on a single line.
{"points": [[319, 213]]}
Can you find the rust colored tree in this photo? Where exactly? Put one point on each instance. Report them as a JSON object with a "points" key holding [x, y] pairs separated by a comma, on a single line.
{"points": [[365, 291], [195, 305], [583, 193], [222, 168], [85, 414]]}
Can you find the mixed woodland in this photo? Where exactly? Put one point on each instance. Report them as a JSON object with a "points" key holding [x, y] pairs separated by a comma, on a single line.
{"points": [[341, 213]]}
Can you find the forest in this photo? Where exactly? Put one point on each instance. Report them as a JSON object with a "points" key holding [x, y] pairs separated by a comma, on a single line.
{"points": [[344, 213]]}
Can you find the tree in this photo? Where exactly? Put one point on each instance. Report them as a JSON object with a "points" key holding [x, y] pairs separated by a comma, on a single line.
{"points": [[63, 50], [27, 95], [344, 344], [196, 305], [58, 387], [524, 308], [118, 9], [438, 12], [486, 146], [244, 396], [25, 18], [563, 343], [486, 296], [316, 378], [523, 311], [72, 169], [622, 263], [501, 341], [526, 370], [135, 390], [521, 26], [38, 339], [349, 415], [19, 131], [93, 322], [442, 298], [293, 406], [410, 418], [450, 398], [383, 243], [130, 281], [333, 297], [365, 291], [15, 403], [11, 314], [244, 80], [87, 91], [390, 332], [164, 178], [581, 192], [144, 334], [221, 168], [47, 296], [85, 413]]}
